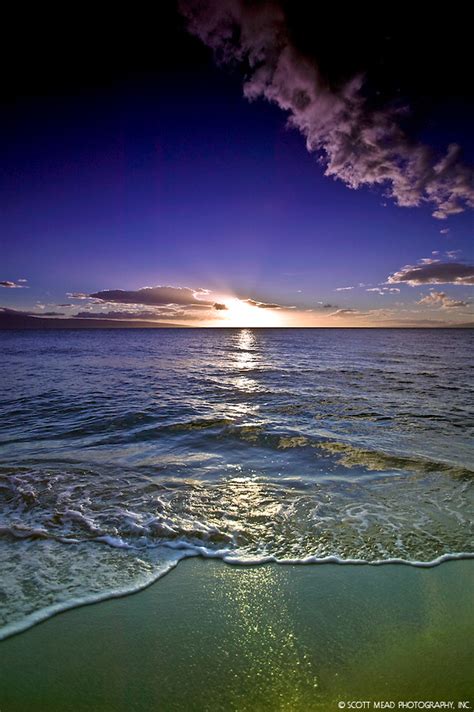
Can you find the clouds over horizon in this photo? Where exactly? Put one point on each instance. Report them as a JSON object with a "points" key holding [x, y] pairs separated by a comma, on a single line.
{"points": [[185, 306], [357, 145], [167, 297]]}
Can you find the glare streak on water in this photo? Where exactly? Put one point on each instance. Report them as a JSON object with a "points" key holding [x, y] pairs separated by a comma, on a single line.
{"points": [[123, 451]]}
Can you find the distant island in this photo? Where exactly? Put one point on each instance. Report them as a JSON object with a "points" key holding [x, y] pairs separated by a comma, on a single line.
{"points": [[15, 320]]}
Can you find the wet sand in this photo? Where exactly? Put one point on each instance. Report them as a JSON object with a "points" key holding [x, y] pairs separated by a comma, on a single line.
{"points": [[210, 636]]}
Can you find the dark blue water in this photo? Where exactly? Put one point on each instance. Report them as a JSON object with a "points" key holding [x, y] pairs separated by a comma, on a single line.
{"points": [[123, 451]]}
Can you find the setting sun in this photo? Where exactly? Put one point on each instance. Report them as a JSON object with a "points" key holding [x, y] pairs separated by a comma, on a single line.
{"points": [[242, 314]]}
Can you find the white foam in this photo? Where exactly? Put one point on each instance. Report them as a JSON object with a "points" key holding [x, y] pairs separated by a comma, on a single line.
{"points": [[114, 541], [50, 611], [181, 550], [230, 556]]}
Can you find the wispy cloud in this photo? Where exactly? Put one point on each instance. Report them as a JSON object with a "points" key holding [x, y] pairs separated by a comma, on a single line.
{"points": [[383, 290], [343, 312], [77, 295], [359, 146], [343, 289], [428, 260], [266, 305]]}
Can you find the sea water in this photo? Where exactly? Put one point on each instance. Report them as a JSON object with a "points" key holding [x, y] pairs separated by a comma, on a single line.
{"points": [[123, 451]]}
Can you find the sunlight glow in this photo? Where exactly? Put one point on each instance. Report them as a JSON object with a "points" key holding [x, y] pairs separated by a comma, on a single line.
{"points": [[242, 314]]}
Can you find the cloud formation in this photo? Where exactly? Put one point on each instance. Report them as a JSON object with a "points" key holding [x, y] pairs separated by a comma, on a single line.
{"points": [[8, 284], [359, 146], [441, 299], [434, 273], [153, 296]]}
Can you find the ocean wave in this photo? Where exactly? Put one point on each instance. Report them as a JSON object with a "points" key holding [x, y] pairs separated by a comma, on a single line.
{"points": [[379, 517], [350, 456], [74, 536]]}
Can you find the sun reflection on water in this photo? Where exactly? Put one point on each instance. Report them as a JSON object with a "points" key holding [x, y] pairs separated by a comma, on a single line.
{"points": [[276, 662]]}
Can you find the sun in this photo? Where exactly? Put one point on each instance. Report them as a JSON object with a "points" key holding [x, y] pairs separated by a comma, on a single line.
{"points": [[242, 314]]}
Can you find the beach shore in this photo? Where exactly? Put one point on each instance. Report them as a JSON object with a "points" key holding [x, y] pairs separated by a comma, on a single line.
{"points": [[210, 636]]}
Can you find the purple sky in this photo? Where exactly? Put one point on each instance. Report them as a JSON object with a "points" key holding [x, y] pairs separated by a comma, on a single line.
{"points": [[178, 195]]}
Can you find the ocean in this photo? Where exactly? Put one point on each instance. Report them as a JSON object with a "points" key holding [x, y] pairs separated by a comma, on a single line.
{"points": [[124, 451]]}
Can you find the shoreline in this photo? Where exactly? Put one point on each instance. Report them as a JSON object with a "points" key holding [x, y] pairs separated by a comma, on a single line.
{"points": [[213, 636], [45, 614]]}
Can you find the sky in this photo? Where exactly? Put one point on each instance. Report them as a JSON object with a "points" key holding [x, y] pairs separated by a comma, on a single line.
{"points": [[237, 164]]}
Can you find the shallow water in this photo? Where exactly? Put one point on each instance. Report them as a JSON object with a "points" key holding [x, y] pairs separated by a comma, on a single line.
{"points": [[123, 451], [219, 638]]}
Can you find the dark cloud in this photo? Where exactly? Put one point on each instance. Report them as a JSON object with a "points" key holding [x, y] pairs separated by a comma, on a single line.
{"points": [[157, 296], [434, 273], [358, 143], [8, 284], [220, 307]]}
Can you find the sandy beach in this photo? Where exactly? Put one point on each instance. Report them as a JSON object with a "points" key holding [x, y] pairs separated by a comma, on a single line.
{"points": [[210, 636]]}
